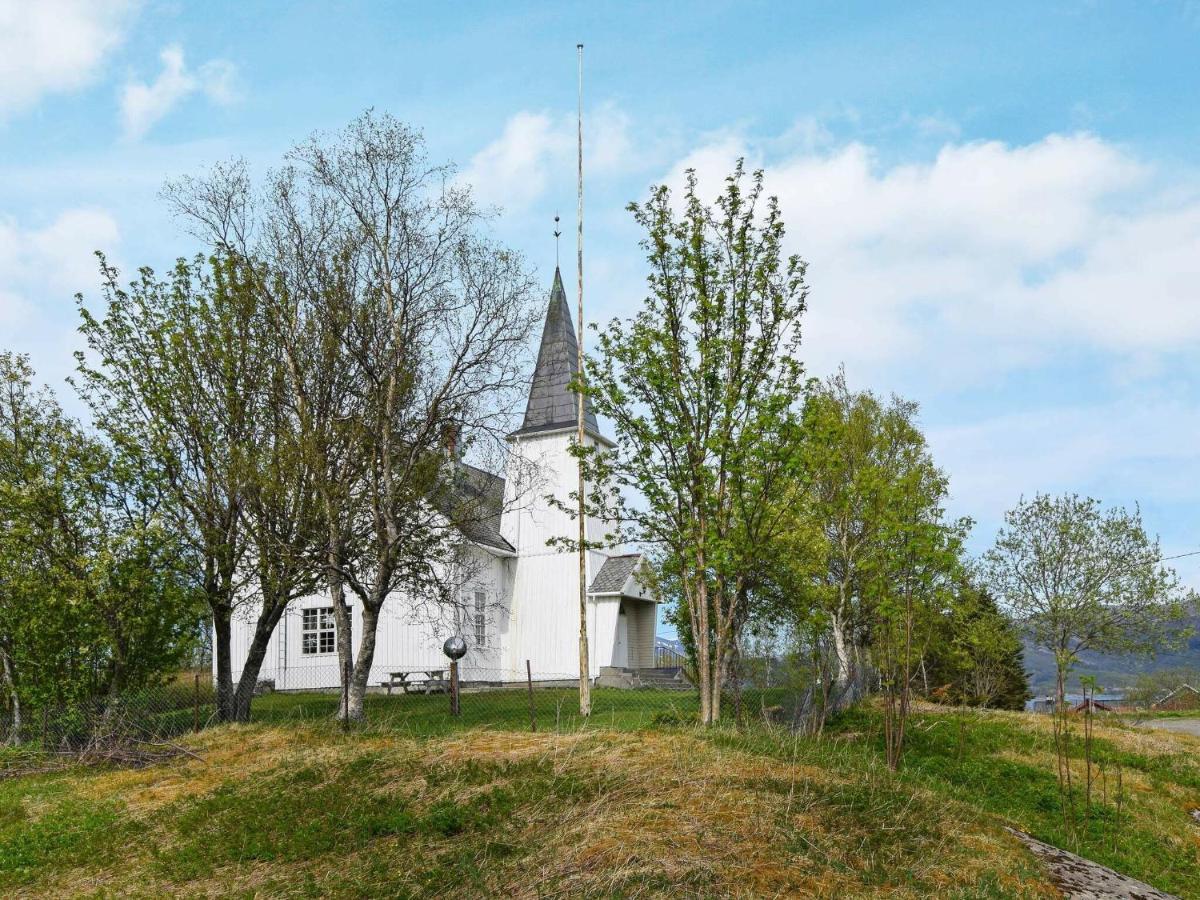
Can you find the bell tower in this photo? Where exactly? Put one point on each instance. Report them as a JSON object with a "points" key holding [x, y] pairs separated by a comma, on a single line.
{"points": [[546, 585]]}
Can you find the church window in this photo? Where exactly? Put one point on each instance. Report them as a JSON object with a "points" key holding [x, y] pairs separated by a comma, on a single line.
{"points": [[318, 631], [480, 619]]}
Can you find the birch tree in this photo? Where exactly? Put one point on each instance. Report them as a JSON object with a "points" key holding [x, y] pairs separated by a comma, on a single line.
{"points": [[864, 461], [405, 331]]}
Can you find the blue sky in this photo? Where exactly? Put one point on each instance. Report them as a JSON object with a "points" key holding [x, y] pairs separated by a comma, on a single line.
{"points": [[999, 203]]}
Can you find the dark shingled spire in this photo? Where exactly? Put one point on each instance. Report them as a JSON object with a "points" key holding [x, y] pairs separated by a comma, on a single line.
{"points": [[552, 403]]}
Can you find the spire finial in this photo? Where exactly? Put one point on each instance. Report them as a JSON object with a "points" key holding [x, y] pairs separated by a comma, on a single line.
{"points": [[557, 235]]}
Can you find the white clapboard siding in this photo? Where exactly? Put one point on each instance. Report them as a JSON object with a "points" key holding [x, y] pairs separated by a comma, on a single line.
{"points": [[408, 638], [545, 604]]}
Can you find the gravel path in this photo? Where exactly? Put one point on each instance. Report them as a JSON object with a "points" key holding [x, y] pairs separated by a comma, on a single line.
{"points": [[1082, 879], [1179, 726]]}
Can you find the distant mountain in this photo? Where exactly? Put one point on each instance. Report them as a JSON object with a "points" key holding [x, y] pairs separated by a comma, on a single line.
{"points": [[1111, 671], [673, 644]]}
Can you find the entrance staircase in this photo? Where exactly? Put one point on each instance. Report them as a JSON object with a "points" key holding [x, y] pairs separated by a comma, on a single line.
{"points": [[668, 678]]}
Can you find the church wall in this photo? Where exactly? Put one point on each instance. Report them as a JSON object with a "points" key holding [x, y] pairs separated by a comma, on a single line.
{"points": [[545, 619], [409, 636]]}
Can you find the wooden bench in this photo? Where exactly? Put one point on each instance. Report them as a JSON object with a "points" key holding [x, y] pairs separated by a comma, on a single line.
{"points": [[396, 679], [434, 682]]}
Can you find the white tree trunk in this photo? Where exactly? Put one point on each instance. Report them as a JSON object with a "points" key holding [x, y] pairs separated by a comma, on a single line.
{"points": [[842, 649]]}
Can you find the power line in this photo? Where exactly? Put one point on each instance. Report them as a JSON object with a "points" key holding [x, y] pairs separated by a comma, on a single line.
{"points": [[1178, 556]]}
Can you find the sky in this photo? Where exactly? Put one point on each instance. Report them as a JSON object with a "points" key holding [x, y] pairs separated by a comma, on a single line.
{"points": [[999, 204]]}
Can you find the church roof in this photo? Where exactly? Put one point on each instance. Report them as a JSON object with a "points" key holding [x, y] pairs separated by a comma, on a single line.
{"points": [[614, 573], [552, 404], [478, 505]]}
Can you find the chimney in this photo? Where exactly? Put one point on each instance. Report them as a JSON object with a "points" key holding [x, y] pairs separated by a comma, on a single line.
{"points": [[451, 435]]}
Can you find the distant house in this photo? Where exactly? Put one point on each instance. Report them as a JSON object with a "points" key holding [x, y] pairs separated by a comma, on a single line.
{"points": [[1184, 697], [1112, 702], [1040, 704], [1094, 704]]}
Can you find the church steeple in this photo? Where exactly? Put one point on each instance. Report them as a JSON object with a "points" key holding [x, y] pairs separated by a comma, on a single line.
{"points": [[552, 404]]}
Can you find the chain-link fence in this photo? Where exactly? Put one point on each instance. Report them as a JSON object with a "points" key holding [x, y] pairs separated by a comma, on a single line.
{"points": [[413, 700], [133, 727]]}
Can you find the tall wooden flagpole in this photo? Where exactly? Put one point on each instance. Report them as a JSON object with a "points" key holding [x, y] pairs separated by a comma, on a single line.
{"points": [[585, 680]]}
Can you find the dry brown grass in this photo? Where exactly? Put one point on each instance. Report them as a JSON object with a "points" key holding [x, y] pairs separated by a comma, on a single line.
{"points": [[672, 814]]}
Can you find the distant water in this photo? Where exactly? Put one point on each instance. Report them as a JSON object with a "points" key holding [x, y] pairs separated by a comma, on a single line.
{"points": [[1111, 697]]}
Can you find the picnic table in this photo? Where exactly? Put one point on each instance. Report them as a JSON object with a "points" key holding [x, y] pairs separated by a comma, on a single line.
{"points": [[434, 681]]}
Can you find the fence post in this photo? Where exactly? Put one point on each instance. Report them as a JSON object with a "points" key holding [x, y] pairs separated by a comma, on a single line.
{"points": [[454, 709], [529, 682], [737, 689], [346, 695], [196, 705]]}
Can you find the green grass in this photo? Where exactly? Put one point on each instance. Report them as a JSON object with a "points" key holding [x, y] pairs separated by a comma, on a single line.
{"points": [[555, 709], [1004, 768], [633, 804]]}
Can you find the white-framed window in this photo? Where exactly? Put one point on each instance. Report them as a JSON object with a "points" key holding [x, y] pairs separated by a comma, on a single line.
{"points": [[318, 631], [479, 618]]}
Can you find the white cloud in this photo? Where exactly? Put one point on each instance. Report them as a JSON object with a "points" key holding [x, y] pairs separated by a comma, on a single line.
{"points": [[41, 269], [513, 170], [1040, 300], [52, 46], [144, 104], [986, 258]]}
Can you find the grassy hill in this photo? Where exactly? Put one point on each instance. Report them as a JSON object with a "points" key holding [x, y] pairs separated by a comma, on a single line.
{"points": [[625, 807]]}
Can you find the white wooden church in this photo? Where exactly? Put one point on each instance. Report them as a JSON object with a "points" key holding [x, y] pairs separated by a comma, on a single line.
{"points": [[522, 600]]}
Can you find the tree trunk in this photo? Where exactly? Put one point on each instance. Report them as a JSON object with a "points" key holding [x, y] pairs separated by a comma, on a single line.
{"points": [[345, 638], [336, 583], [222, 632], [10, 680], [720, 656], [361, 674], [844, 676], [700, 637], [268, 618]]}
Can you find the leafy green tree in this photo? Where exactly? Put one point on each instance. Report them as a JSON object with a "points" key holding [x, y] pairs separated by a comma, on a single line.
{"points": [[1078, 577], [977, 658], [140, 592], [174, 378], [701, 387], [907, 582], [94, 597], [872, 493], [40, 630], [862, 575]]}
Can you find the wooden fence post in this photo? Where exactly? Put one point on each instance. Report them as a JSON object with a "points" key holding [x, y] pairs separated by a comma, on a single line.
{"points": [[529, 682], [196, 704]]}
